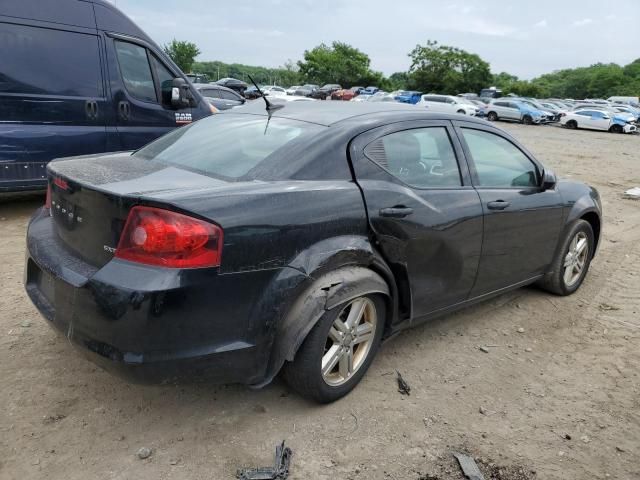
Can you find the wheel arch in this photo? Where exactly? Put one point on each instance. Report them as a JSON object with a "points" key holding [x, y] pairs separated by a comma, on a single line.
{"points": [[331, 272]]}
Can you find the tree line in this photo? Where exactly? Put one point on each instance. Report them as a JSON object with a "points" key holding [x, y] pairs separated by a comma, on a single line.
{"points": [[434, 68]]}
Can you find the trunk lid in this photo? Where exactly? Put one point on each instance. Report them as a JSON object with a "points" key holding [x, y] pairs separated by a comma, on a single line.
{"points": [[91, 197]]}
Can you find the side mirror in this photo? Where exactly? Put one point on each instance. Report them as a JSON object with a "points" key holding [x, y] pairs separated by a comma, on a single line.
{"points": [[548, 180], [179, 93]]}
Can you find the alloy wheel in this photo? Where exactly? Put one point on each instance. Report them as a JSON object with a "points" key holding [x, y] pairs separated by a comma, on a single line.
{"points": [[349, 341], [575, 259]]}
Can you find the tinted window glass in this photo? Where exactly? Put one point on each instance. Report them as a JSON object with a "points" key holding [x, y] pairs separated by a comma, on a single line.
{"points": [[210, 93], [135, 70], [228, 146], [165, 78], [421, 158], [501, 104], [498, 162], [228, 95], [585, 113], [48, 62]]}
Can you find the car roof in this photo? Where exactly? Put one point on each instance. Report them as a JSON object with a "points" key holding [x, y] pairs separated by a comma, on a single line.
{"points": [[332, 112], [214, 86]]}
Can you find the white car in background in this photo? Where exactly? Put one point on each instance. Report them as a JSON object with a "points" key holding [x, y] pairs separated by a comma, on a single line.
{"points": [[274, 91], [593, 119], [447, 104], [292, 90]]}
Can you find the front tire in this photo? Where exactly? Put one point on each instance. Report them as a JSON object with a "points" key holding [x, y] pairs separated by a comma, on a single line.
{"points": [[616, 128], [572, 261], [461, 112], [527, 120], [339, 349]]}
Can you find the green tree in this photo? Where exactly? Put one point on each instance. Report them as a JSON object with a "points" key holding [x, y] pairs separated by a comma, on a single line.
{"points": [[339, 63], [399, 80], [443, 69], [182, 53]]}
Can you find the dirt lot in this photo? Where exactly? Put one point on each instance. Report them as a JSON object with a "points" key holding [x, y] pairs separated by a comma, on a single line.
{"points": [[560, 398]]}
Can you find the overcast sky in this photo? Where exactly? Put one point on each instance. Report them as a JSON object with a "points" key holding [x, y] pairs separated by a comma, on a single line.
{"points": [[525, 38]]}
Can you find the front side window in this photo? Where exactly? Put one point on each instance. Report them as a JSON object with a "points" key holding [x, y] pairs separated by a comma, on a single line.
{"points": [[136, 72], [499, 163], [165, 79], [421, 158]]}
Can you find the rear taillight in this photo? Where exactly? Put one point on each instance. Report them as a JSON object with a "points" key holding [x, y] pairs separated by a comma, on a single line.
{"points": [[47, 201], [160, 237]]}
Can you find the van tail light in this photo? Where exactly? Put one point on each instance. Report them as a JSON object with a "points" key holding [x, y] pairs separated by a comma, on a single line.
{"points": [[47, 201], [160, 237]]}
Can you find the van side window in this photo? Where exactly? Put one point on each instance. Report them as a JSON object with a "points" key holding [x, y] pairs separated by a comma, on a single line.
{"points": [[136, 72], [71, 62]]}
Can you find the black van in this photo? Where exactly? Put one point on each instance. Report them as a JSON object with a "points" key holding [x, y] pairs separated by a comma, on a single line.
{"points": [[79, 77]]}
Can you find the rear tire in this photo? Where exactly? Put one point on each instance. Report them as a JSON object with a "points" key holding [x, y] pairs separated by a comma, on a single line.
{"points": [[572, 124], [492, 116], [572, 261], [325, 344], [527, 120]]}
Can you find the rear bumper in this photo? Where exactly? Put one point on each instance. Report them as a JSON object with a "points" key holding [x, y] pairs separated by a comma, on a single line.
{"points": [[149, 324]]}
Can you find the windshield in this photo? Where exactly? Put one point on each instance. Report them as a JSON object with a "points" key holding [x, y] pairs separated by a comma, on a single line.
{"points": [[226, 146]]}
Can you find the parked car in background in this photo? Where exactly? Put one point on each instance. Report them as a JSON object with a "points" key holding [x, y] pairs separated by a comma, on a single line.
{"points": [[514, 110], [70, 85], [369, 90], [447, 104], [327, 90], [273, 91], [184, 266], [627, 108], [381, 96], [552, 113], [593, 119], [408, 96], [198, 77], [234, 84], [491, 92], [252, 93], [220, 97], [626, 116], [627, 100], [482, 106], [306, 90], [292, 90]]}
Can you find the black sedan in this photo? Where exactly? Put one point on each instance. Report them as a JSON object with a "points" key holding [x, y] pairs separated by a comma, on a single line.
{"points": [[250, 243]]}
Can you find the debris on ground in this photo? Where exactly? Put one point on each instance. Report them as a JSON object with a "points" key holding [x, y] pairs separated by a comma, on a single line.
{"points": [[605, 307], [633, 193], [469, 467], [144, 452], [484, 349], [520, 330], [279, 471], [403, 387]]}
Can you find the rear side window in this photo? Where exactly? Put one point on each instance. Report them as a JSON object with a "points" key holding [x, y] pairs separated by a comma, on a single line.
{"points": [[44, 61], [230, 146], [421, 158], [136, 73], [499, 163]]}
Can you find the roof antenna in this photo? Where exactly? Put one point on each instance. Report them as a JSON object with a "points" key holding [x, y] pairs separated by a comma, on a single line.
{"points": [[270, 106]]}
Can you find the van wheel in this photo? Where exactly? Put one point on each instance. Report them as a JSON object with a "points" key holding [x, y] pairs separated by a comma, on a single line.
{"points": [[572, 124], [461, 112], [492, 116], [527, 120], [571, 263], [339, 349], [616, 128]]}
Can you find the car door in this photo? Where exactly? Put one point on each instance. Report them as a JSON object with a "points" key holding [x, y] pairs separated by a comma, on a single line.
{"points": [[426, 216], [512, 111], [52, 103], [522, 221], [600, 120], [141, 92]]}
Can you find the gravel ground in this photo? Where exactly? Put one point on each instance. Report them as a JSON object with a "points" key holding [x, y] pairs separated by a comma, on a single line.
{"points": [[557, 396]]}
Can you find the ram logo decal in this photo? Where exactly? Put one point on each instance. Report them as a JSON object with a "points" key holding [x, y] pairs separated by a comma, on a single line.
{"points": [[183, 118]]}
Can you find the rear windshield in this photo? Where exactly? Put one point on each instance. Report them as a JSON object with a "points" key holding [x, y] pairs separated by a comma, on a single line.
{"points": [[228, 146]]}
